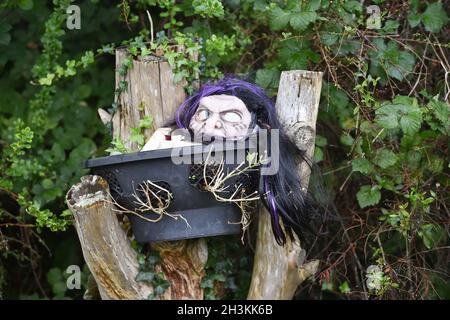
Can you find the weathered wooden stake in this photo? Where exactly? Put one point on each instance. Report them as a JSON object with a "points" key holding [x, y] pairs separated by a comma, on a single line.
{"points": [[106, 249], [278, 271]]}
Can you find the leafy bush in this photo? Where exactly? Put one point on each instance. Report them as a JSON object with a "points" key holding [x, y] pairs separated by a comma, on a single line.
{"points": [[382, 141]]}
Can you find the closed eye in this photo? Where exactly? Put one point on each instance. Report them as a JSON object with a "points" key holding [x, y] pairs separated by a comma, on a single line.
{"points": [[231, 116]]}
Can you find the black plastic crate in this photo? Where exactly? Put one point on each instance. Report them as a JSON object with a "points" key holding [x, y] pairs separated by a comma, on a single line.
{"points": [[205, 216]]}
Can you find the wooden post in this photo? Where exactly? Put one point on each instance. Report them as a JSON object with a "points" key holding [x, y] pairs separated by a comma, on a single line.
{"points": [[106, 249], [278, 271], [150, 92]]}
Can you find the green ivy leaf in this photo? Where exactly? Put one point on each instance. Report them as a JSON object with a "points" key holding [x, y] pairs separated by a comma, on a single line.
{"points": [[145, 276], [321, 141], [434, 17], [386, 158], [362, 165], [368, 196]]}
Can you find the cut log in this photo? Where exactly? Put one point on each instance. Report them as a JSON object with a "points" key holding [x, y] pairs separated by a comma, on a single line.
{"points": [[106, 249], [277, 270]]}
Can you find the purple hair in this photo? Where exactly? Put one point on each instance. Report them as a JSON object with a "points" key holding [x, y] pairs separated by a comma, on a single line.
{"points": [[228, 85]]}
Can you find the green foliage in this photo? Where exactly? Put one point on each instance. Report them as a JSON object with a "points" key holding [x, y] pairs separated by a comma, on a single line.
{"points": [[57, 279], [368, 196], [227, 270], [382, 128], [434, 17], [147, 273], [208, 8]]}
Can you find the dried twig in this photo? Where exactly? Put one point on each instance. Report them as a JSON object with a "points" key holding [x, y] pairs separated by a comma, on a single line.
{"points": [[163, 199]]}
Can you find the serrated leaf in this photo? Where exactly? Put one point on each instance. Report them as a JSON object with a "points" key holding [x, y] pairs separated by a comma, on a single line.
{"points": [[411, 122], [347, 140], [414, 20], [299, 21], [434, 17], [278, 19], [353, 6], [436, 164], [362, 165], [368, 196], [267, 78], [328, 38], [431, 235], [390, 26], [413, 158], [313, 5], [387, 121], [440, 109], [386, 158]]}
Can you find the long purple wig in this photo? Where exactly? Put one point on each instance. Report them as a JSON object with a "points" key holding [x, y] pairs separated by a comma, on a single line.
{"points": [[282, 193]]}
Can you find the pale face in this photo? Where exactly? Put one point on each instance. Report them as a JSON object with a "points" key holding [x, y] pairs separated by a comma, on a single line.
{"points": [[223, 116]]}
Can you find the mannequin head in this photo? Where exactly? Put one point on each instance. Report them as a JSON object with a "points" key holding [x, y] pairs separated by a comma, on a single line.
{"points": [[232, 108], [223, 116]]}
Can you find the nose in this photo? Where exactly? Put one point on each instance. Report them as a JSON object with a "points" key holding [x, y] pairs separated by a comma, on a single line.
{"points": [[218, 125]]}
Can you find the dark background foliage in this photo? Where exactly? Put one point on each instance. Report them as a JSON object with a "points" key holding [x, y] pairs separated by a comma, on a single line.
{"points": [[382, 143]]}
